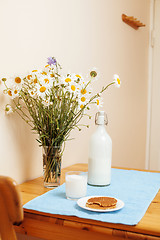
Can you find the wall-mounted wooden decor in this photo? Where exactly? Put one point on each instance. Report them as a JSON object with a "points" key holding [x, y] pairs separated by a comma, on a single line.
{"points": [[131, 21]]}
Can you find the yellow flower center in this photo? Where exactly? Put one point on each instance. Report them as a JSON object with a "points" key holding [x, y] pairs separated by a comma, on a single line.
{"points": [[78, 76], [52, 75], [42, 89], [67, 80], [73, 88], [35, 80], [9, 93], [83, 91], [118, 80], [18, 80], [34, 71], [47, 65], [81, 106], [83, 99], [44, 73], [97, 101], [46, 80], [15, 91], [29, 77]]}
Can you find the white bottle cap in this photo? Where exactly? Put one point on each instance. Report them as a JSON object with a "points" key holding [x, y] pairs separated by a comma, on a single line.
{"points": [[101, 118]]}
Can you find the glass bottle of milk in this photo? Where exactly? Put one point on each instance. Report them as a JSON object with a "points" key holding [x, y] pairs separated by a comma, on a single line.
{"points": [[100, 153]]}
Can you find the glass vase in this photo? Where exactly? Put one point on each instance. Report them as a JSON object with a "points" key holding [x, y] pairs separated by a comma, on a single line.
{"points": [[52, 157]]}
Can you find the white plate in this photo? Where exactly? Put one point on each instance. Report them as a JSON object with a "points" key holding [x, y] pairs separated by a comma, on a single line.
{"points": [[82, 203]]}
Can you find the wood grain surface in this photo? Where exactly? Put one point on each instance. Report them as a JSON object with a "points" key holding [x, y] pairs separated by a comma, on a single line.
{"points": [[49, 226]]}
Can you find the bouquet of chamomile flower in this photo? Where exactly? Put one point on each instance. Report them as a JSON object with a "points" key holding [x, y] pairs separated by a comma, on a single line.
{"points": [[55, 103]]}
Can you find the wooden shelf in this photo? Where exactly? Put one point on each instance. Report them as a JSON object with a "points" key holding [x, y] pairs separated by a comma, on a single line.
{"points": [[132, 22]]}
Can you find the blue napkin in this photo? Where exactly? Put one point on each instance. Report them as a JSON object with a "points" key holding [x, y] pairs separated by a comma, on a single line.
{"points": [[135, 188]]}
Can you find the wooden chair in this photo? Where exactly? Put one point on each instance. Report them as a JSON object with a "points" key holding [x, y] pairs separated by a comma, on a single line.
{"points": [[11, 211]]}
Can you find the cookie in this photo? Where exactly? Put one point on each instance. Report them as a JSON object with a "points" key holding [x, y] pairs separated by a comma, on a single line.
{"points": [[101, 202], [96, 206]]}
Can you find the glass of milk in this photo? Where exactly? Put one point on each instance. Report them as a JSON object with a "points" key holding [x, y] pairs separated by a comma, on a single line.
{"points": [[76, 184]]}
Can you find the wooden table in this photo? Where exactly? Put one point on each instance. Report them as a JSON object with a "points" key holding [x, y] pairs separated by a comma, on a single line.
{"points": [[49, 226]]}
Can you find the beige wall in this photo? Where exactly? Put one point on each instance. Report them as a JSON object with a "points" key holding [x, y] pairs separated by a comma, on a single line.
{"points": [[81, 34]]}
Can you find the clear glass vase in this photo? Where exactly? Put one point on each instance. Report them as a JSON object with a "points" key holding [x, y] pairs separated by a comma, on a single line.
{"points": [[52, 157]]}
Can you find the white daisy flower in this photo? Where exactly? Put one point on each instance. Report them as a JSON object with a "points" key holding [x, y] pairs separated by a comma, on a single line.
{"points": [[15, 92], [66, 80], [116, 80], [36, 71], [49, 70], [29, 78], [99, 102], [32, 78], [44, 72], [79, 76], [17, 80], [72, 88], [9, 92], [85, 89], [8, 109], [52, 74], [35, 79], [82, 101], [46, 80], [36, 74], [42, 91], [33, 92]]}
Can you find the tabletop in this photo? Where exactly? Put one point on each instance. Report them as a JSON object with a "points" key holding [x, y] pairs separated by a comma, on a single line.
{"points": [[49, 226]]}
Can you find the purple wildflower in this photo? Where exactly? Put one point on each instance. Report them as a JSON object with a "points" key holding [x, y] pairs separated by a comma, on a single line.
{"points": [[51, 60]]}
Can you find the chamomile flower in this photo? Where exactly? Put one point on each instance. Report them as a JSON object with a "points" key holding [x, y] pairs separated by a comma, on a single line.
{"points": [[17, 80], [9, 92], [36, 74], [35, 79], [46, 80], [52, 74], [15, 92], [99, 102], [29, 77], [116, 80], [8, 109], [66, 80], [35, 71], [33, 92], [42, 90], [83, 100], [79, 77], [32, 78], [72, 88], [85, 89], [49, 69]]}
